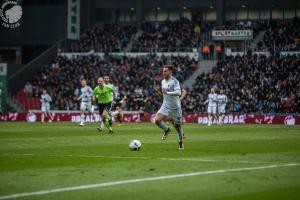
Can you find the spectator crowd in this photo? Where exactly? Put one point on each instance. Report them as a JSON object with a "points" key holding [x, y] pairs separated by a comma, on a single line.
{"points": [[172, 36], [105, 38], [281, 35], [253, 83], [133, 76]]}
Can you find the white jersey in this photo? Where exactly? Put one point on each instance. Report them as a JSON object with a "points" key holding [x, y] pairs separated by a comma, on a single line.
{"points": [[45, 99], [212, 99], [222, 100], [86, 94], [171, 100]]}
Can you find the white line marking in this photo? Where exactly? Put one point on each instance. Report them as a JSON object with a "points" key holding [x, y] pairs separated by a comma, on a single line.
{"points": [[139, 180], [78, 156], [211, 160], [145, 158], [131, 157]]}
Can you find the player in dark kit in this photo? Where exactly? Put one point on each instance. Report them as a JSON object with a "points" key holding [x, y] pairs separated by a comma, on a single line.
{"points": [[140, 100], [118, 104]]}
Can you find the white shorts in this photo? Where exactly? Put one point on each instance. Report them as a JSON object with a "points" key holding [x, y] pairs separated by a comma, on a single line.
{"points": [[115, 113], [221, 109], [45, 107], [175, 115], [86, 106], [212, 109]]}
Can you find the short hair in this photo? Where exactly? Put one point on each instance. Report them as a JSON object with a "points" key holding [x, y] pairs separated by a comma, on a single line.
{"points": [[170, 67]]}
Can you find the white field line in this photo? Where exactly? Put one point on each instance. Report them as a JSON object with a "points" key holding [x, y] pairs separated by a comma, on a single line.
{"points": [[144, 158], [140, 180], [212, 160], [76, 156]]}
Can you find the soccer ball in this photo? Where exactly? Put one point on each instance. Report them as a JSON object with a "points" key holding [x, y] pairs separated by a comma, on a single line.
{"points": [[135, 145]]}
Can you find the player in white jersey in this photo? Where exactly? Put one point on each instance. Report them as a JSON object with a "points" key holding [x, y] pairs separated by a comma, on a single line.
{"points": [[45, 106], [222, 100], [212, 106], [85, 97], [171, 106]]}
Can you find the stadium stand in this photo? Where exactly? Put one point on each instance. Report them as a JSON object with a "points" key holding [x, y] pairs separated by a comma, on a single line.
{"points": [[281, 35], [131, 75], [257, 84], [254, 84], [107, 38]]}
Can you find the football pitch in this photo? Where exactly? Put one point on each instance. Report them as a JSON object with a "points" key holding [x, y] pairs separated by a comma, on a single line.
{"points": [[64, 161]]}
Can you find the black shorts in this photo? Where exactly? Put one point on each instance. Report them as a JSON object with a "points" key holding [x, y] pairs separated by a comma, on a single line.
{"points": [[104, 107]]}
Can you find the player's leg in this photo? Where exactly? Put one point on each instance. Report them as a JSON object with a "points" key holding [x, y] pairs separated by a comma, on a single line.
{"points": [[180, 135], [110, 115], [82, 111], [106, 117], [218, 114], [120, 117], [209, 111], [100, 109], [183, 135], [221, 116], [42, 117], [222, 112], [176, 117], [160, 115], [118, 113], [214, 114], [43, 110], [48, 112], [142, 114]]}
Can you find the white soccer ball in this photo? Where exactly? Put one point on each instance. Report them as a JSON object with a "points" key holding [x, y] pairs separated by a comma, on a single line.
{"points": [[135, 145]]}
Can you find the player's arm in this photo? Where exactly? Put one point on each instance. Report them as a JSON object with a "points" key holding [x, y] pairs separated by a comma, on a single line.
{"points": [[123, 99], [146, 99], [49, 99], [215, 98], [183, 94], [90, 92], [173, 93], [80, 97], [176, 92], [206, 102], [95, 93], [158, 90], [112, 89]]}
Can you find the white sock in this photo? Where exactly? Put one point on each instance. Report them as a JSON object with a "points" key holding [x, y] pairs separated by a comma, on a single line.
{"points": [[102, 125], [43, 117], [81, 118], [163, 125], [180, 134], [114, 113], [221, 119]]}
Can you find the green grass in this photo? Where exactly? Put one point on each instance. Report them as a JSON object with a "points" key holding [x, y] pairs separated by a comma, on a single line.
{"points": [[36, 157]]}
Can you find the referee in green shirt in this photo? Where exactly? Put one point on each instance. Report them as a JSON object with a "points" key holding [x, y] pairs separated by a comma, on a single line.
{"points": [[104, 95]]}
